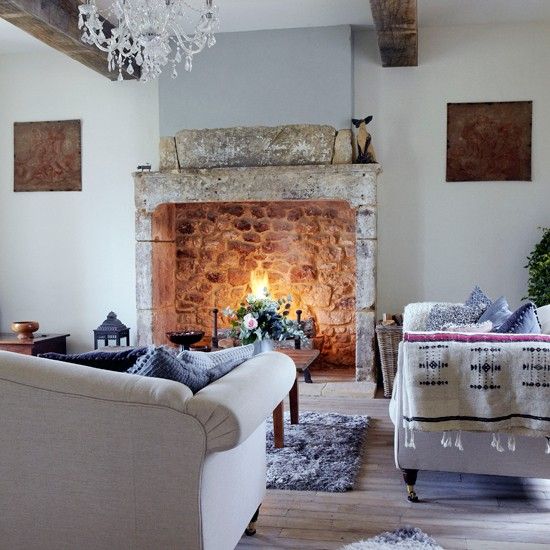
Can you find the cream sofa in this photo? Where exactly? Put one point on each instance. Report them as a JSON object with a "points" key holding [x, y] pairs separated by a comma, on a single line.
{"points": [[93, 459], [527, 460]]}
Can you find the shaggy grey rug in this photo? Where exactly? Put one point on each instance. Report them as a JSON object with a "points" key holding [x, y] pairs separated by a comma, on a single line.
{"points": [[404, 538], [321, 453]]}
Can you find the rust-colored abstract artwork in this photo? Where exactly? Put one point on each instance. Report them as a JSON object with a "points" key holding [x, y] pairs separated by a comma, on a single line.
{"points": [[489, 141], [47, 156]]}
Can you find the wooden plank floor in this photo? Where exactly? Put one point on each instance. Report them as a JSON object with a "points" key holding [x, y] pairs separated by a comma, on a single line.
{"points": [[459, 511]]}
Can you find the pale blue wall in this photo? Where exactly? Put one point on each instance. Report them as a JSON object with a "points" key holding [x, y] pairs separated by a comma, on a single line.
{"points": [[263, 78]]}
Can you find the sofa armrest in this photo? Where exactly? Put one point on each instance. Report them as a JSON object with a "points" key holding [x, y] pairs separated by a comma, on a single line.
{"points": [[233, 407], [82, 381]]}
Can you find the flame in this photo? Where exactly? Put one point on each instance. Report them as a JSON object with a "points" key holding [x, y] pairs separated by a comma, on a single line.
{"points": [[259, 283]]}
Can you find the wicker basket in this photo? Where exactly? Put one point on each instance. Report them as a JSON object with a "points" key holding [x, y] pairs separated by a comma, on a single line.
{"points": [[388, 343]]}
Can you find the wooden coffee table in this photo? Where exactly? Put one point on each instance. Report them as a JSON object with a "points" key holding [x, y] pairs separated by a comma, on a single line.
{"points": [[303, 358]]}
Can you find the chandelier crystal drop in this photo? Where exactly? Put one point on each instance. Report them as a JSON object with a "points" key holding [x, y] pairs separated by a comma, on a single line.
{"points": [[150, 34]]}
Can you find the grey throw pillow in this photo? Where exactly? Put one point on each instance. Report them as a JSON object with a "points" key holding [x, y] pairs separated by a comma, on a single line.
{"points": [[218, 363], [161, 363], [456, 314], [497, 313]]}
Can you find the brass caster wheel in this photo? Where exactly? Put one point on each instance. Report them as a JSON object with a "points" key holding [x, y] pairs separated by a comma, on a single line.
{"points": [[411, 495], [250, 531]]}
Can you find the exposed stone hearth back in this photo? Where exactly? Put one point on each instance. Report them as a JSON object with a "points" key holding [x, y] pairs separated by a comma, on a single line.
{"points": [[307, 249]]}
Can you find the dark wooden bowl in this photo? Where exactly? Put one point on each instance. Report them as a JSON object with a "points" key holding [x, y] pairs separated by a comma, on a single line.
{"points": [[185, 338], [25, 329]]}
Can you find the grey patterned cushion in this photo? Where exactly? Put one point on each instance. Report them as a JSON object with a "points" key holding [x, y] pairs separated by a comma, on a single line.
{"points": [[478, 298], [218, 363], [161, 363], [456, 314]]}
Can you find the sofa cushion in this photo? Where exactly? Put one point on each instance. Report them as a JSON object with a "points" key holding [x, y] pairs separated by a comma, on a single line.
{"points": [[543, 314], [119, 361], [159, 362], [522, 321], [497, 313], [218, 363], [478, 327], [456, 314]]}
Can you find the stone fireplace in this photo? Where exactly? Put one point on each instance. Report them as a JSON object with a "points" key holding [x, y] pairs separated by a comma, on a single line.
{"points": [[311, 229]]}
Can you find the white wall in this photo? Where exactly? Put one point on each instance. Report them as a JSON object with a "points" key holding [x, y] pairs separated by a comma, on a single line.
{"points": [[438, 239], [267, 78], [66, 259]]}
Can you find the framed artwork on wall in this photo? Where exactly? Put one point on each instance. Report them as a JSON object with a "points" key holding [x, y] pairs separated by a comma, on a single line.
{"points": [[489, 141], [47, 156]]}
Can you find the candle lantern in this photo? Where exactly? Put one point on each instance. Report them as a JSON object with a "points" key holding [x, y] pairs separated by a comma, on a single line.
{"points": [[112, 329]]}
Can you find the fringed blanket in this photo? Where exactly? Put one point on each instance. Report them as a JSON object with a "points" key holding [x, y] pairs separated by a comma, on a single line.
{"points": [[497, 383]]}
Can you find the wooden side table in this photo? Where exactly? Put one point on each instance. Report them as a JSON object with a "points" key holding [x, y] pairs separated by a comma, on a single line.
{"points": [[41, 343]]}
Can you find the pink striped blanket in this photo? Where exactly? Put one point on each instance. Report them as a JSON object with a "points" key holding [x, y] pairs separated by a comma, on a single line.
{"points": [[486, 382]]}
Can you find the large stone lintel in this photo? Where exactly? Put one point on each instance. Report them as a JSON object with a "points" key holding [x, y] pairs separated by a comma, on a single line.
{"points": [[294, 144], [354, 183]]}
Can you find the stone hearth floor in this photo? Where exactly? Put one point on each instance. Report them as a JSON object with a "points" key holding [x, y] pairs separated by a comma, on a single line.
{"points": [[336, 383]]}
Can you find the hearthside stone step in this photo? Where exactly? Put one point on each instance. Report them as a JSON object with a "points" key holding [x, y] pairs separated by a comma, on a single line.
{"points": [[289, 145]]}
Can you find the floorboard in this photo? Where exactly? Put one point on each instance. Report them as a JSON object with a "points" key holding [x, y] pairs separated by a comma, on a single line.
{"points": [[463, 512]]}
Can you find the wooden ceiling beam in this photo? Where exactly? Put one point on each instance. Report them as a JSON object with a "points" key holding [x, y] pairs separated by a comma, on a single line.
{"points": [[55, 22], [396, 23]]}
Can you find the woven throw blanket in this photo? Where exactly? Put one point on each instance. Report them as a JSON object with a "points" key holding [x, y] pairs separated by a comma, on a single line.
{"points": [[476, 382]]}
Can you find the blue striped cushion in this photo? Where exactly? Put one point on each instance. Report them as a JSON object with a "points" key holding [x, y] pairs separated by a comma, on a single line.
{"points": [[523, 321]]}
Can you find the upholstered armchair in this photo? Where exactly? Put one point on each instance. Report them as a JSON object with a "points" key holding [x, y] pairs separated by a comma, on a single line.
{"points": [[95, 459]]}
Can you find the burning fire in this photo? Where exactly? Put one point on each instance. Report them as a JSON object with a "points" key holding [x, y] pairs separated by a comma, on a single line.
{"points": [[259, 283]]}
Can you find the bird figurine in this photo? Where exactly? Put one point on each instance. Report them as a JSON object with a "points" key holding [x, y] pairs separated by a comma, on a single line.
{"points": [[365, 150]]}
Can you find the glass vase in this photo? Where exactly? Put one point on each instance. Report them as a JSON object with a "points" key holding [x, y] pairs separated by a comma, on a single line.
{"points": [[263, 345]]}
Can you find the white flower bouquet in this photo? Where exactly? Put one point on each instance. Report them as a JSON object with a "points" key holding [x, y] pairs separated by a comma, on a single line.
{"points": [[264, 318]]}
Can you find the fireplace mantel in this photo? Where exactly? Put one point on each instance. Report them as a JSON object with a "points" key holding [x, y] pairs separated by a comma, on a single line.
{"points": [[353, 183]]}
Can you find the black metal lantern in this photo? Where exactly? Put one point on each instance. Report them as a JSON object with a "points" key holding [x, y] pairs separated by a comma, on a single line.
{"points": [[111, 329]]}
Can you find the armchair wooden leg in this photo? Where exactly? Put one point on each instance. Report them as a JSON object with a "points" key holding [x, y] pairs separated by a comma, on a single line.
{"points": [[251, 529], [278, 426], [409, 477], [294, 403]]}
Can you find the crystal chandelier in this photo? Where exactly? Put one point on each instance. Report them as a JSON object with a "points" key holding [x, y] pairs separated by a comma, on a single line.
{"points": [[150, 33]]}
